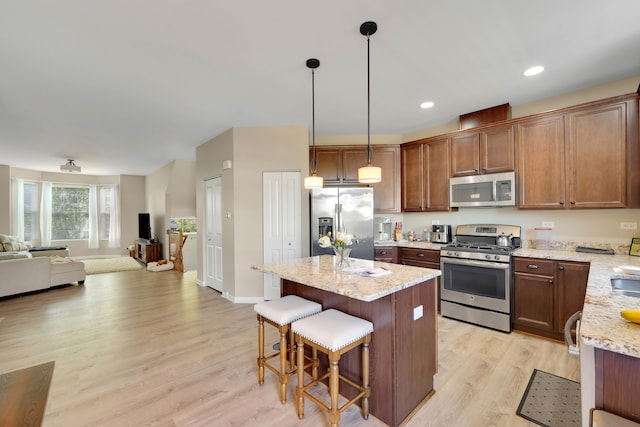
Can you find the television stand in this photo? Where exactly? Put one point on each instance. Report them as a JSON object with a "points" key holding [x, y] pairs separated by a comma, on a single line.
{"points": [[148, 252]]}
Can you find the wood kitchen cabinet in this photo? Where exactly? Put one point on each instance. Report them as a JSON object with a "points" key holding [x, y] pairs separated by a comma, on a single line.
{"points": [[546, 294], [579, 158], [425, 175], [386, 254], [338, 165], [387, 192], [489, 150], [426, 258], [617, 383]]}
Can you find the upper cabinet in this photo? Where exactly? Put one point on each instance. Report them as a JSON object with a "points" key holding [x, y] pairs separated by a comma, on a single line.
{"points": [[580, 159], [490, 150], [338, 165], [425, 175]]}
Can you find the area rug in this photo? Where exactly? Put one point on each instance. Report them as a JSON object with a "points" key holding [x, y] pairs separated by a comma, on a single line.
{"points": [[110, 265], [551, 401], [23, 395]]}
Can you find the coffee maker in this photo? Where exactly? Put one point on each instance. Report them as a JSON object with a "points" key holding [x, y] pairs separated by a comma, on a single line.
{"points": [[441, 234], [384, 231]]}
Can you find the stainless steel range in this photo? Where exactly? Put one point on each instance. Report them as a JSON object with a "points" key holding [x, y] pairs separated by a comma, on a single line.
{"points": [[476, 275]]}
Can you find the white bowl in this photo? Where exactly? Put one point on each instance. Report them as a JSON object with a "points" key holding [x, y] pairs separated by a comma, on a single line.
{"points": [[629, 269]]}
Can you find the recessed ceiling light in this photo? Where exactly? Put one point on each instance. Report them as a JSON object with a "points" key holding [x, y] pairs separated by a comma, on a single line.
{"points": [[427, 104], [533, 70]]}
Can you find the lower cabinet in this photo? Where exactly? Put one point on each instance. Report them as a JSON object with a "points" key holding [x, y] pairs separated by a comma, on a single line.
{"points": [[546, 294], [386, 254], [426, 258]]}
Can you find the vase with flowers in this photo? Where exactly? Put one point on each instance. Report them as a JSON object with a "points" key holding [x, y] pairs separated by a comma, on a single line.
{"points": [[339, 244]]}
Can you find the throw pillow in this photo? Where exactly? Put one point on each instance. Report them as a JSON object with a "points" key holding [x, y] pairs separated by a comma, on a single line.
{"points": [[13, 244]]}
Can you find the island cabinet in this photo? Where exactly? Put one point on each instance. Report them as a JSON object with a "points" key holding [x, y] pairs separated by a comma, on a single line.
{"points": [[403, 350], [546, 294], [425, 175], [583, 157], [489, 150], [338, 165], [401, 306]]}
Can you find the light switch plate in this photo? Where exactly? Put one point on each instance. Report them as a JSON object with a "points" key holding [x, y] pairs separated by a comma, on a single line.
{"points": [[548, 224]]}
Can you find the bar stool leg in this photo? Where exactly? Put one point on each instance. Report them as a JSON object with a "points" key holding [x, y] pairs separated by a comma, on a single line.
{"points": [[334, 377], [261, 360], [282, 376], [365, 380], [300, 372]]}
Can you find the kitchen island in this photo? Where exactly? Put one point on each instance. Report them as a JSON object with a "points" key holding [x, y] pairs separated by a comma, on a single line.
{"points": [[402, 307]]}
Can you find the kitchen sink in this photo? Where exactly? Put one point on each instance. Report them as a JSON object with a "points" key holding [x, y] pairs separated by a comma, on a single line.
{"points": [[625, 286]]}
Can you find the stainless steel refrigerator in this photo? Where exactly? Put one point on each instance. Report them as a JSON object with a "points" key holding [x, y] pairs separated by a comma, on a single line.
{"points": [[347, 209]]}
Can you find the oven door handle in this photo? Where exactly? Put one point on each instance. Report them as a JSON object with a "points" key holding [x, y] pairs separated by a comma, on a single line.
{"points": [[474, 263]]}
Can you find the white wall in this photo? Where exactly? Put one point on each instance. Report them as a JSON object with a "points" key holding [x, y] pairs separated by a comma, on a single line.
{"points": [[583, 226], [252, 150]]}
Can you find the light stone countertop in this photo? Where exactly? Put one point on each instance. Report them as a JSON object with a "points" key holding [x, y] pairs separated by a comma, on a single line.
{"points": [[319, 272], [601, 325], [408, 244]]}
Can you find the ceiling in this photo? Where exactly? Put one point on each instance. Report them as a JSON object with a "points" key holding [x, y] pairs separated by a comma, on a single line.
{"points": [[125, 87]]}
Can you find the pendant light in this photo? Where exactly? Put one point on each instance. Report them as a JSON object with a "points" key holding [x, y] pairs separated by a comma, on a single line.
{"points": [[369, 174], [313, 181]]}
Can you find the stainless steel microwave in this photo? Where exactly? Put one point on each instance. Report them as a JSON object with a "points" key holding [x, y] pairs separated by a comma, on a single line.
{"points": [[490, 190]]}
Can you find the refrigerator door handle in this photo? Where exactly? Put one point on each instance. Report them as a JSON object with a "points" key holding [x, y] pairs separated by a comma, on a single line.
{"points": [[338, 217]]}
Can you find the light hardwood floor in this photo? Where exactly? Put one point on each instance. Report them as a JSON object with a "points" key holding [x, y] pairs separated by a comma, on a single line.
{"points": [[155, 349]]}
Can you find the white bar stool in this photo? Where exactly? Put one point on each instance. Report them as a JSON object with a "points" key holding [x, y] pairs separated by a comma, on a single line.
{"points": [[281, 313], [334, 333]]}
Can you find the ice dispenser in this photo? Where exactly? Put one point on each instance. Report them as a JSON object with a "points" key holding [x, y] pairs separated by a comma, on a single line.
{"points": [[325, 226]]}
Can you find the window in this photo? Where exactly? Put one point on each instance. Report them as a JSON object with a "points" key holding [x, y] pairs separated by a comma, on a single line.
{"points": [[30, 211], [104, 206], [69, 212]]}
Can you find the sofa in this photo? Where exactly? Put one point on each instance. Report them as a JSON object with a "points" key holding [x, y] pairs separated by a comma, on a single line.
{"points": [[23, 271], [10, 245]]}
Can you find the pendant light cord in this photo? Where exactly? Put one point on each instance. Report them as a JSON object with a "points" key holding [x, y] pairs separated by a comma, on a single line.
{"points": [[369, 156], [314, 162]]}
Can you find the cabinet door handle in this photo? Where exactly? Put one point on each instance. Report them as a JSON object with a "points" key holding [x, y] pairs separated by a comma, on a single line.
{"points": [[573, 202], [561, 268], [383, 252], [533, 266], [420, 254], [562, 203], [551, 282]]}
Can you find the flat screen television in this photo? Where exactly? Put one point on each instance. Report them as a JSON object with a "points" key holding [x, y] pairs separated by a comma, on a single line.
{"points": [[144, 226]]}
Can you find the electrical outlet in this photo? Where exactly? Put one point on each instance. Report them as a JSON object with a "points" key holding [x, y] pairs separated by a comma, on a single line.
{"points": [[417, 312], [435, 222], [548, 224], [628, 225]]}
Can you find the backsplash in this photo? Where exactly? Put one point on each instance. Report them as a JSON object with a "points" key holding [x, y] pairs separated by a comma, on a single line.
{"points": [[622, 249]]}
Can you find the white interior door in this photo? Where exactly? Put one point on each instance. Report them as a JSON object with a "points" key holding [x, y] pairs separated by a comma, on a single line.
{"points": [[213, 227], [282, 228]]}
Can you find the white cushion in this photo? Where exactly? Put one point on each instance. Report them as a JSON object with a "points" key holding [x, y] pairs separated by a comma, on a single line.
{"points": [[332, 329], [287, 309]]}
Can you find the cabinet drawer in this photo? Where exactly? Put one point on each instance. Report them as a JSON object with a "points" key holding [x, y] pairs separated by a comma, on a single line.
{"points": [[424, 255], [533, 266], [386, 254]]}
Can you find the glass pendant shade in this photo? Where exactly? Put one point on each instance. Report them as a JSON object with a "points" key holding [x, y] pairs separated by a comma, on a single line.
{"points": [[369, 174], [313, 181]]}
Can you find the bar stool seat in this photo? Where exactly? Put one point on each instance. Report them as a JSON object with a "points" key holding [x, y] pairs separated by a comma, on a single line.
{"points": [[333, 333], [280, 313]]}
